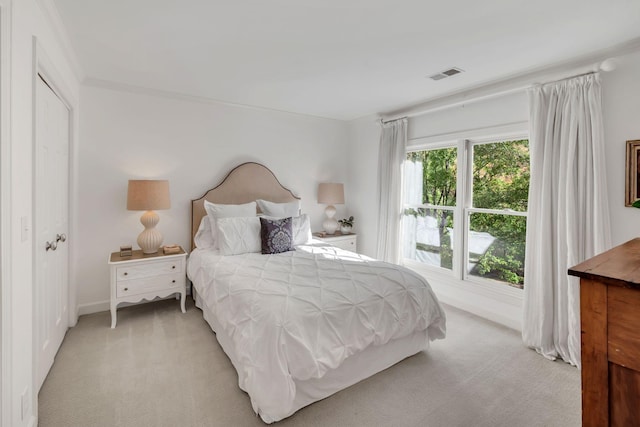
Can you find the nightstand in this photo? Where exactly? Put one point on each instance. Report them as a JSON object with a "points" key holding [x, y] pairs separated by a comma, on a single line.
{"points": [[140, 276], [348, 242]]}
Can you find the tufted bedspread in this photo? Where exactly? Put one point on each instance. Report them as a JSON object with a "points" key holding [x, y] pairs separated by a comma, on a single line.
{"points": [[298, 314]]}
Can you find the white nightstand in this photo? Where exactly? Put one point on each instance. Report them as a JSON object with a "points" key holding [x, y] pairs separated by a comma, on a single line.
{"points": [[348, 242], [140, 276]]}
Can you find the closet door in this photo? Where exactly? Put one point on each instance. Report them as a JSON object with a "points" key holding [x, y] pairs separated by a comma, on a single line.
{"points": [[51, 224]]}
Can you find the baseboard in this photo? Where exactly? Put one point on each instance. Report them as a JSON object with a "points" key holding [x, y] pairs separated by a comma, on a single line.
{"points": [[94, 307]]}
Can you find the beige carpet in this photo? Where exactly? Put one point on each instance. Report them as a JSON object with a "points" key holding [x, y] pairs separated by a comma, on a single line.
{"points": [[160, 367]]}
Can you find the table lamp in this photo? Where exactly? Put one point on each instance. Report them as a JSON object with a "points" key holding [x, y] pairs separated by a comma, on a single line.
{"points": [[330, 194], [148, 195]]}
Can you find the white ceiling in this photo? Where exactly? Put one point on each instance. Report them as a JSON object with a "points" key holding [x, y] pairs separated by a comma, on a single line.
{"points": [[340, 59]]}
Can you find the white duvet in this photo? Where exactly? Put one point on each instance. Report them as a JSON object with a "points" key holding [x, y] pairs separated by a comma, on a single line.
{"points": [[298, 314]]}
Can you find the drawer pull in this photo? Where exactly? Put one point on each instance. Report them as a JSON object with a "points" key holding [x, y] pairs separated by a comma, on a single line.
{"points": [[173, 266], [126, 289], [173, 281], [126, 274]]}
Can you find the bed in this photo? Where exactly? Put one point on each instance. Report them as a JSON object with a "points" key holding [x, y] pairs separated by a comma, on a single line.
{"points": [[303, 324]]}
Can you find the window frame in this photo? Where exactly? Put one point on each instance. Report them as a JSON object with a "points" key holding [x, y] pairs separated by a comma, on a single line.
{"points": [[464, 208]]}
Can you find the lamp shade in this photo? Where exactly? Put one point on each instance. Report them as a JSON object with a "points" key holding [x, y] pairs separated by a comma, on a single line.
{"points": [[331, 194], [148, 195]]}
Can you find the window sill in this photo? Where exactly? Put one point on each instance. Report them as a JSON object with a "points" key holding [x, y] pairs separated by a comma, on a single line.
{"points": [[494, 301]]}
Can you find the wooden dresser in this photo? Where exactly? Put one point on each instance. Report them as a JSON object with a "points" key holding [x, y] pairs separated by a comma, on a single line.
{"points": [[610, 325]]}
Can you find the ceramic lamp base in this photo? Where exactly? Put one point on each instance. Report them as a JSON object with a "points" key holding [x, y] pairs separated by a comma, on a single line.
{"points": [[330, 225], [150, 239]]}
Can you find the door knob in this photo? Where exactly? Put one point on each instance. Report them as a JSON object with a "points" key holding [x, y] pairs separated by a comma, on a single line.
{"points": [[51, 245], [61, 237]]}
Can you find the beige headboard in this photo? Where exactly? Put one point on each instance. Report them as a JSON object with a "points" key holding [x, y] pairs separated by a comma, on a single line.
{"points": [[245, 183]]}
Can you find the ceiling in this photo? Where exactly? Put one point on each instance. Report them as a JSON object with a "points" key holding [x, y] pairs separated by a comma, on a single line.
{"points": [[340, 59]]}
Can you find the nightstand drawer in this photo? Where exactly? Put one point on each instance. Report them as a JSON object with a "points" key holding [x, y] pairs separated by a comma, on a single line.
{"points": [[347, 244], [148, 269], [150, 284]]}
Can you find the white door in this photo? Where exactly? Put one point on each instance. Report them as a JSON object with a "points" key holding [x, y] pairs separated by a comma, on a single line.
{"points": [[51, 216]]}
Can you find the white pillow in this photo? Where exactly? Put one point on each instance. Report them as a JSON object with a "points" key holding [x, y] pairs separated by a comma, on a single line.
{"points": [[301, 228], [279, 210], [215, 211], [238, 235], [204, 236]]}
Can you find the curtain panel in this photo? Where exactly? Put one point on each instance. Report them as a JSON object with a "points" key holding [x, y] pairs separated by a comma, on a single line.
{"points": [[393, 142], [568, 219]]}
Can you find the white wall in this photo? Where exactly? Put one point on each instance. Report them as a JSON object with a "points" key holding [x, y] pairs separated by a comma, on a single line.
{"points": [[27, 21], [470, 117], [621, 108], [362, 186], [193, 144]]}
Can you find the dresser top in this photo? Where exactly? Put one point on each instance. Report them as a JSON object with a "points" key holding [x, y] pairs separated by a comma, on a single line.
{"points": [[139, 255], [619, 266]]}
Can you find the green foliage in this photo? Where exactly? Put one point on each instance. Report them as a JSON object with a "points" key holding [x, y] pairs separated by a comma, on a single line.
{"points": [[346, 222], [500, 181], [501, 175], [439, 168], [504, 260]]}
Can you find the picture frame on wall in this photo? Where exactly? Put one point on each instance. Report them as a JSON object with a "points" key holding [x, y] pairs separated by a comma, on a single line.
{"points": [[632, 182]]}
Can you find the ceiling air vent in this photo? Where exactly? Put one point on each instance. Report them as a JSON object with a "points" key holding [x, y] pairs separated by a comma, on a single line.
{"points": [[446, 73]]}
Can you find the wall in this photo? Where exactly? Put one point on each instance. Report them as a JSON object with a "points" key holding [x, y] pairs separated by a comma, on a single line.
{"points": [[193, 144], [27, 21], [362, 185], [621, 108]]}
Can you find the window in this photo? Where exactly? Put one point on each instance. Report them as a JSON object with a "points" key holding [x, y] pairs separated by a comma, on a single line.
{"points": [[479, 187]]}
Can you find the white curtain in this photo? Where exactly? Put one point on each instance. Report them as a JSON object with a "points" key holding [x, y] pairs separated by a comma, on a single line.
{"points": [[568, 219], [393, 142]]}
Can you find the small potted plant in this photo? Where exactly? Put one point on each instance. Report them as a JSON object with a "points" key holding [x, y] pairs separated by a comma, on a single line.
{"points": [[346, 225]]}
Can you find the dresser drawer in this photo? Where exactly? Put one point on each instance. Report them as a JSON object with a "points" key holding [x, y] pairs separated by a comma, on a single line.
{"points": [[150, 284], [622, 327], [148, 269]]}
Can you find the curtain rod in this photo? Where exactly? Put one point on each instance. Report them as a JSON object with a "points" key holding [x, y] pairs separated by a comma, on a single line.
{"points": [[382, 122], [495, 90]]}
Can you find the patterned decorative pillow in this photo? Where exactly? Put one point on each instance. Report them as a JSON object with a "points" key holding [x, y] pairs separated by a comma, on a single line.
{"points": [[276, 235]]}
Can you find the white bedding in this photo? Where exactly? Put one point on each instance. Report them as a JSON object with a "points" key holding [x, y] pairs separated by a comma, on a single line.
{"points": [[297, 315]]}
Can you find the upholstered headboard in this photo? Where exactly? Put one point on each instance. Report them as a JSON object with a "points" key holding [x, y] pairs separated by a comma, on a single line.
{"points": [[245, 183]]}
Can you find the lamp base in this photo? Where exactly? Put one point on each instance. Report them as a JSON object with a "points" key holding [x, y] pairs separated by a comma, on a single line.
{"points": [[330, 225], [150, 239]]}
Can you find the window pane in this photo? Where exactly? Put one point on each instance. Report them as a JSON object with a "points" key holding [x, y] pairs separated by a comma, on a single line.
{"points": [[437, 181], [496, 247], [428, 235], [501, 175]]}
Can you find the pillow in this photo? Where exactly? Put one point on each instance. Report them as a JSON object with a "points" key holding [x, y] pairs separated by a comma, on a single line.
{"points": [[238, 235], [215, 211], [276, 235], [204, 236], [279, 210], [301, 230]]}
